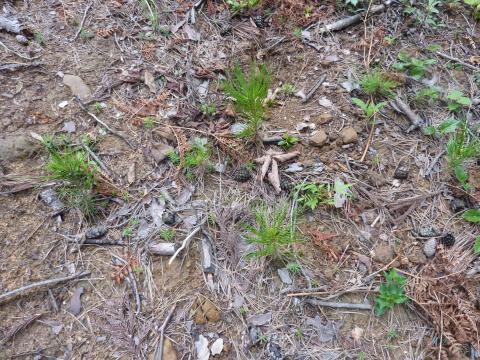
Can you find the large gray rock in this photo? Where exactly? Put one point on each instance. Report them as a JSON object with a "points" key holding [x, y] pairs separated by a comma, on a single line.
{"points": [[16, 146]]}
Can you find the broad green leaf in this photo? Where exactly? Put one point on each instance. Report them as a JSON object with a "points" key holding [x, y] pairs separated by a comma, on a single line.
{"points": [[476, 246]]}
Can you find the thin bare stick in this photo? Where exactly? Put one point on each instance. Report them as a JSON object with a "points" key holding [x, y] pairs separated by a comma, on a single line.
{"points": [[351, 20], [17, 328], [369, 141], [80, 27], [159, 350], [100, 163], [184, 244], [403, 108], [18, 54], [94, 117], [10, 294], [434, 162], [315, 87], [446, 56], [339, 305]]}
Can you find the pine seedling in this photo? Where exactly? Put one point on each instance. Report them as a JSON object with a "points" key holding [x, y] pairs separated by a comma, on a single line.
{"points": [[376, 83], [369, 108]]}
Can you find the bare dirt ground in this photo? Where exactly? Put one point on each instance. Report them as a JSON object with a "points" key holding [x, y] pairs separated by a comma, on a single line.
{"points": [[147, 80]]}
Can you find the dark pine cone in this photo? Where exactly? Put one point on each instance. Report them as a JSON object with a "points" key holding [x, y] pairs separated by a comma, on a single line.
{"points": [[448, 240], [260, 21], [242, 174], [285, 184]]}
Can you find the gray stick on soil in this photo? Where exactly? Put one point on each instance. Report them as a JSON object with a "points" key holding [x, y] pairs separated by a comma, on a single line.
{"points": [[351, 20], [10, 294], [339, 305], [415, 120]]}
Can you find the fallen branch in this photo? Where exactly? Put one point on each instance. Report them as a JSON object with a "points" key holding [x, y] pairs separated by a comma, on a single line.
{"points": [[10, 294], [94, 117], [159, 351], [339, 305], [463, 63], [351, 20], [403, 108]]}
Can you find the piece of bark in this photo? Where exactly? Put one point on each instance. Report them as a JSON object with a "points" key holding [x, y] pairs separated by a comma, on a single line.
{"points": [[265, 167], [207, 256], [274, 178], [285, 157], [163, 249], [403, 108], [76, 303]]}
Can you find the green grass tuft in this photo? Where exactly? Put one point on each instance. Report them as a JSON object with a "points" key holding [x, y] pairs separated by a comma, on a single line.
{"points": [[249, 92], [376, 83], [274, 231], [391, 293]]}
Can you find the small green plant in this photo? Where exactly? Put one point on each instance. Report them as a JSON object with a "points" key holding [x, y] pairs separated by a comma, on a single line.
{"points": [[197, 155], [208, 109], [462, 146], [432, 12], [149, 122], [298, 333], [352, 3], [415, 67], [476, 245], [426, 95], [174, 157], [167, 234], [369, 108], [311, 195], [390, 40], [249, 93], [274, 232], [127, 232], [456, 101], [85, 34], [98, 107], [297, 32], [287, 141], [150, 9], [243, 310], [39, 38], [294, 267], [262, 339], [391, 293], [376, 83], [446, 127], [238, 6], [472, 215], [288, 89], [76, 173], [475, 4], [392, 333]]}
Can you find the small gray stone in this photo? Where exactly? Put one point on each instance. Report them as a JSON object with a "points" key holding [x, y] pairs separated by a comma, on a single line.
{"points": [[457, 205], [430, 247], [284, 276], [169, 218], [77, 86], [50, 197], [319, 138], [21, 39], [428, 231], [349, 135], [237, 128], [96, 232], [13, 147], [293, 168]]}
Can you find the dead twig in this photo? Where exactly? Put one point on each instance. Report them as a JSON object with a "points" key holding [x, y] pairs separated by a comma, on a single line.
{"points": [[80, 27], [17, 328], [463, 63], [10, 294], [403, 108], [351, 20], [18, 54], [339, 305], [159, 351], [94, 117], [100, 163], [184, 244], [315, 87]]}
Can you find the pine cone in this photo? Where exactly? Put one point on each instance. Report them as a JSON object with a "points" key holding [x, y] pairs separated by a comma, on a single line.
{"points": [[448, 240], [260, 21], [285, 184], [242, 174]]}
